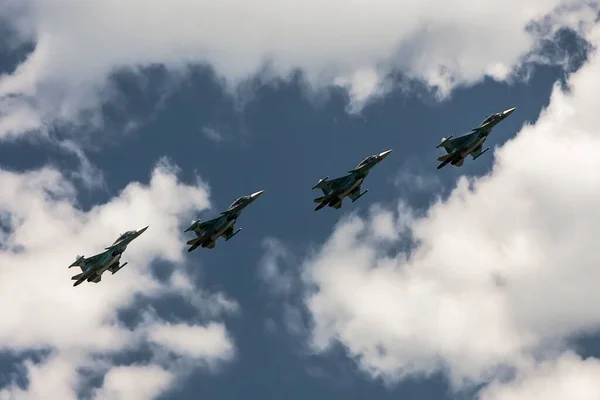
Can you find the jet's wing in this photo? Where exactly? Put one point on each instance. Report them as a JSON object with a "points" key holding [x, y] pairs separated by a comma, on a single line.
{"points": [[87, 263], [203, 226], [355, 194], [477, 151], [329, 186], [456, 143]]}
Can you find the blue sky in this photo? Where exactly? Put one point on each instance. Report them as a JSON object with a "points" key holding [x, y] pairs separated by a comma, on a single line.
{"points": [[429, 287]]}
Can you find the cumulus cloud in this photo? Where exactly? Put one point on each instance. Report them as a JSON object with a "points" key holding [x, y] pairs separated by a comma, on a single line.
{"points": [[124, 383], [499, 276], [43, 229], [355, 45], [183, 340], [274, 267], [212, 134], [568, 377]]}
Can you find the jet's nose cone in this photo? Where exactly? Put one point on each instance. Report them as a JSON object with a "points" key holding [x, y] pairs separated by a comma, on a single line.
{"points": [[506, 113], [384, 154], [142, 230], [257, 194]]}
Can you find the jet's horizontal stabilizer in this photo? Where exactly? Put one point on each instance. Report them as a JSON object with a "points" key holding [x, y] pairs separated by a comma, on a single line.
{"points": [[193, 241], [79, 282], [75, 277], [194, 247], [444, 158], [442, 165], [320, 206]]}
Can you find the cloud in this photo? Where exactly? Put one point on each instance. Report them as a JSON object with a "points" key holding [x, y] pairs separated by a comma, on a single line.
{"points": [[124, 383], [90, 175], [183, 339], [212, 134], [495, 279], [412, 177], [356, 45], [274, 267], [568, 377], [79, 328]]}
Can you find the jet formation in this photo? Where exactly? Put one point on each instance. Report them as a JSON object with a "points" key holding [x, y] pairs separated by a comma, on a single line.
{"points": [[334, 192]]}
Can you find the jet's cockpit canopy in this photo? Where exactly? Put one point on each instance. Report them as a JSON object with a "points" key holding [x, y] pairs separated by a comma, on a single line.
{"points": [[490, 119], [238, 202], [123, 236], [366, 161]]}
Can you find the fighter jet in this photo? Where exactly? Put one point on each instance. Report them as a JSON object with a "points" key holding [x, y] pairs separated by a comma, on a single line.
{"points": [[336, 190], [471, 143], [209, 231], [92, 268]]}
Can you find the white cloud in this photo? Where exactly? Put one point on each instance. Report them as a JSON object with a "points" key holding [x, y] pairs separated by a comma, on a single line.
{"points": [[500, 274], [56, 376], [89, 174], [212, 134], [568, 377], [183, 340], [44, 230], [412, 177], [274, 268], [124, 383], [353, 44]]}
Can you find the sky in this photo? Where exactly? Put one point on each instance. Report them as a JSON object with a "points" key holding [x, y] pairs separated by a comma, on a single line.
{"points": [[476, 282]]}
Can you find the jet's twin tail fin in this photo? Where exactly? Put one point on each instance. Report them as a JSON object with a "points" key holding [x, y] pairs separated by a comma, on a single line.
{"points": [[444, 143], [78, 262], [193, 226], [322, 183]]}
